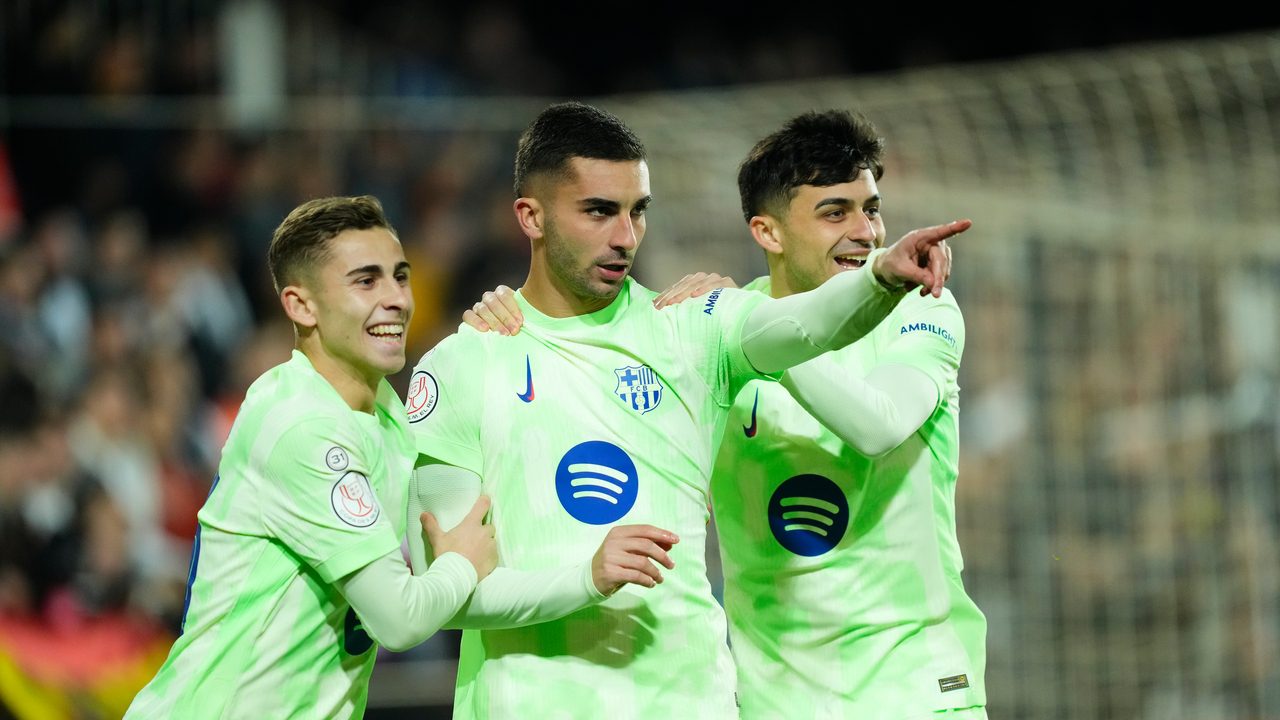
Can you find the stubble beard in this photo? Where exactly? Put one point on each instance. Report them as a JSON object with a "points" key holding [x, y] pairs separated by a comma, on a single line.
{"points": [[576, 280]]}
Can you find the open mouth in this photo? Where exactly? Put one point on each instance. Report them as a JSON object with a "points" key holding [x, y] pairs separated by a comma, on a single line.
{"points": [[613, 271], [851, 261], [388, 331]]}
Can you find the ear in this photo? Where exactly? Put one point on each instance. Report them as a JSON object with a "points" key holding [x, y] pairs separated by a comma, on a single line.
{"points": [[530, 216], [298, 305], [767, 233]]}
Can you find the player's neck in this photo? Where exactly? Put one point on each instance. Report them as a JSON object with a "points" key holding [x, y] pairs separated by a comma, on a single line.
{"points": [[779, 284], [357, 390], [553, 300]]}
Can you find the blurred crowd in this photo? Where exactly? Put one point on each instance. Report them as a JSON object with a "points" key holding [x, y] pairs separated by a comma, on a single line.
{"points": [[135, 306], [135, 309], [1118, 505]]}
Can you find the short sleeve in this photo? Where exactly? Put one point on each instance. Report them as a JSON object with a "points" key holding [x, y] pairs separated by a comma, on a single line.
{"points": [[443, 402], [711, 327], [320, 499], [928, 336]]}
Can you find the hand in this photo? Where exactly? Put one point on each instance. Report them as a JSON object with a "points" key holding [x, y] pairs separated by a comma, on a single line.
{"points": [[627, 555], [920, 258], [471, 539], [692, 285], [497, 310]]}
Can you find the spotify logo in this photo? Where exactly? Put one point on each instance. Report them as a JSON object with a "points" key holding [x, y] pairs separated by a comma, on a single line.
{"points": [[596, 482], [808, 515]]}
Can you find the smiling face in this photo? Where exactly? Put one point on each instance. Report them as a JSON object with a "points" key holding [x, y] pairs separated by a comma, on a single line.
{"points": [[824, 231], [352, 310], [585, 226]]}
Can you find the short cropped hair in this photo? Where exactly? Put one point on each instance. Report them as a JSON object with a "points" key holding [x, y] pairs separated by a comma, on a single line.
{"points": [[302, 241], [567, 130], [816, 148]]}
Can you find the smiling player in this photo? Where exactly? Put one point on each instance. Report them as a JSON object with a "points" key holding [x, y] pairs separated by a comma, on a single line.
{"points": [[296, 569], [834, 490], [604, 410]]}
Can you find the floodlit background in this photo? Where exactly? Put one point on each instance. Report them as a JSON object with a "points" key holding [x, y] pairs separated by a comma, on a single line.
{"points": [[1119, 503]]}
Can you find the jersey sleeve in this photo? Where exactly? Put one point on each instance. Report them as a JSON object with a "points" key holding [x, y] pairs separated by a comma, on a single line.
{"points": [[320, 499], [928, 335], [711, 329], [444, 400]]}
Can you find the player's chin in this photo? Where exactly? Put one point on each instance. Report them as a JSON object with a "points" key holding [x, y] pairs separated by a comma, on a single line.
{"points": [[389, 359], [606, 288]]}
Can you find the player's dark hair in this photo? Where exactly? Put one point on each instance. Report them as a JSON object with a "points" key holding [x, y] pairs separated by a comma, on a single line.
{"points": [[816, 148], [302, 241], [567, 130]]}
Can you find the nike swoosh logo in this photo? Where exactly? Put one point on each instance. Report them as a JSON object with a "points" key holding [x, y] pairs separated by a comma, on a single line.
{"points": [[750, 430], [527, 395]]}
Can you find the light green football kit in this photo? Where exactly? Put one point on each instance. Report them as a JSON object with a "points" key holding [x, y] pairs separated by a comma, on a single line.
{"points": [[577, 424], [842, 572], [308, 491]]}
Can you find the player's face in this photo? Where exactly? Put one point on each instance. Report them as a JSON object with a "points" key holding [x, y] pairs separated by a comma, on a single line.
{"points": [[594, 224], [363, 304], [830, 229]]}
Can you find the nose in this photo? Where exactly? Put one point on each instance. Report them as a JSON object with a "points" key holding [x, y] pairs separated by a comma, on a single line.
{"points": [[864, 228], [627, 234], [398, 297]]}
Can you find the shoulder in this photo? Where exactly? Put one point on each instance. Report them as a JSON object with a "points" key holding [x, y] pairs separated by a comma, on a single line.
{"points": [[293, 392], [914, 302], [465, 346], [639, 293], [721, 303], [312, 446], [917, 316], [762, 284]]}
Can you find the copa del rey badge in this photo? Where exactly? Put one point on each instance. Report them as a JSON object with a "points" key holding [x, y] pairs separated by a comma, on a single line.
{"points": [[353, 500], [422, 396]]}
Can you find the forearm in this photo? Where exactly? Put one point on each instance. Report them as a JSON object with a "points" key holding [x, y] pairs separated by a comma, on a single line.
{"points": [[400, 610], [510, 598], [873, 415], [787, 331], [507, 597]]}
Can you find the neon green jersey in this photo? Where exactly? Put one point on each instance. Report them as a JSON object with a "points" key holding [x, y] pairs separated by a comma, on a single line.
{"points": [[308, 491], [577, 424], [842, 572]]}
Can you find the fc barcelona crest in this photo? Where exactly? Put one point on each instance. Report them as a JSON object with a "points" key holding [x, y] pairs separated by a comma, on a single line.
{"points": [[638, 387]]}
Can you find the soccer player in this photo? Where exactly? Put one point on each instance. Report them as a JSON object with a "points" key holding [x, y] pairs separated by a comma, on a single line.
{"points": [[846, 524], [835, 501], [296, 569], [604, 408]]}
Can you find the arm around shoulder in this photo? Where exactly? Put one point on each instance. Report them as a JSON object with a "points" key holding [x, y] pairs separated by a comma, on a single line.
{"points": [[784, 332]]}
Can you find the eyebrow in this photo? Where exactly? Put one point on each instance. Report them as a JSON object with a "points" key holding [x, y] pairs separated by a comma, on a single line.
{"points": [[613, 204], [377, 269], [844, 202]]}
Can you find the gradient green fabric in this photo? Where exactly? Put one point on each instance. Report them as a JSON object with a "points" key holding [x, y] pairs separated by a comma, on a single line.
{"points": [[308, 491], [577, 424], [842, 572]]}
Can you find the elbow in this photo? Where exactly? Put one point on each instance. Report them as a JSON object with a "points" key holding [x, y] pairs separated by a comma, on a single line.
{"points": [[874, 446], [398, 639]]}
